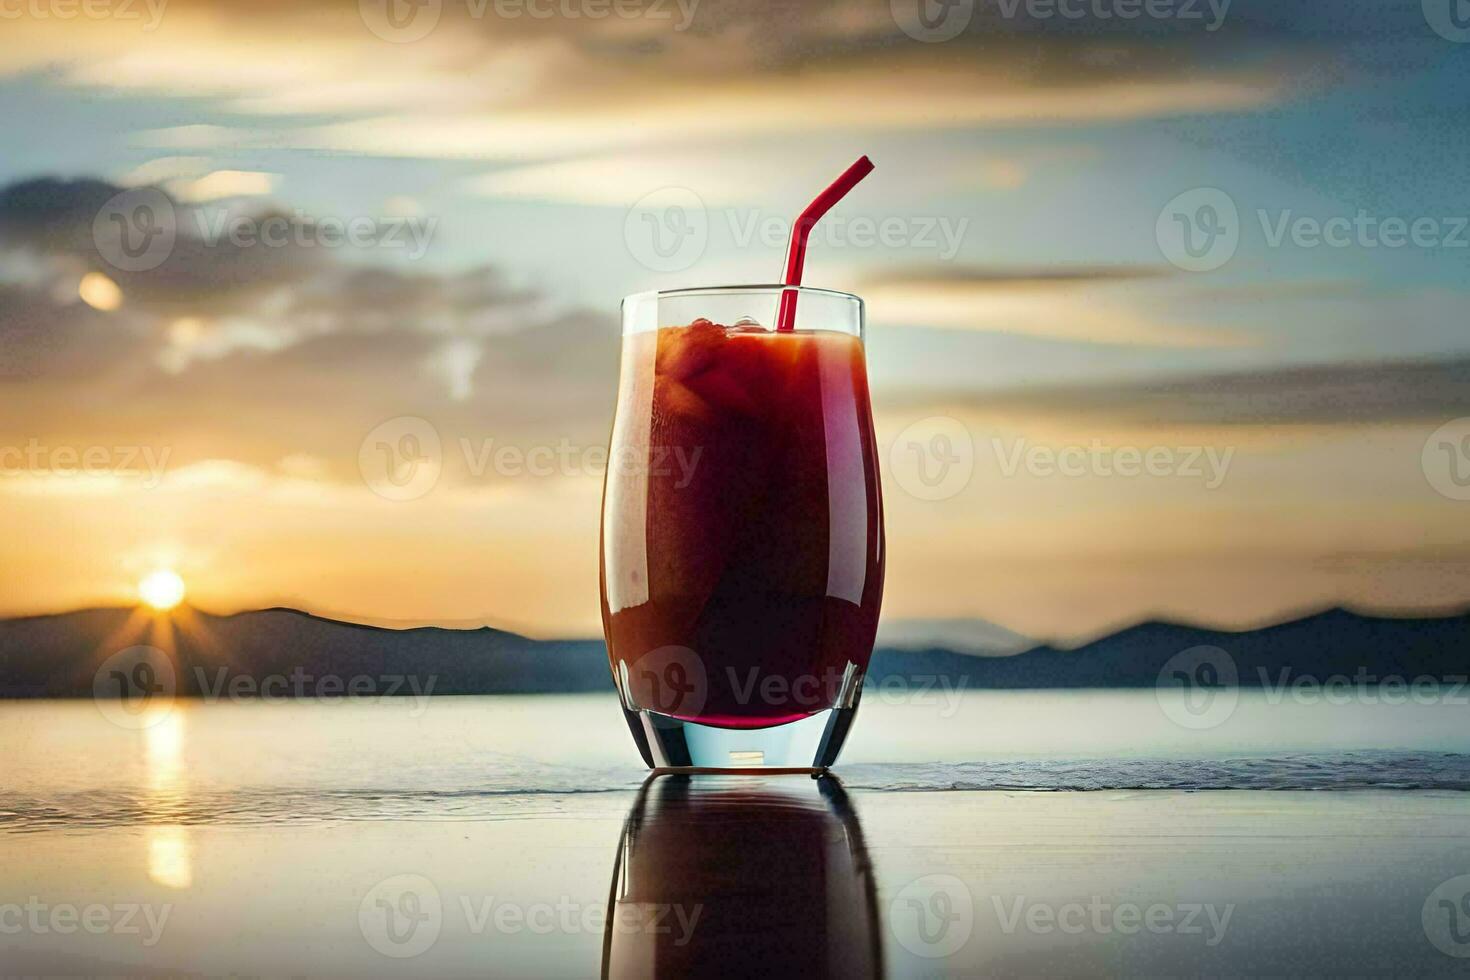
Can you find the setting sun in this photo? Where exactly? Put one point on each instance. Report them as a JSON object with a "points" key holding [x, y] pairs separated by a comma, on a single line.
{"points": [[162, 589]]}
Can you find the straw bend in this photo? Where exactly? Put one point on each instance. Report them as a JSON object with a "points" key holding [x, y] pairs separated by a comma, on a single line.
{"points": [[801, 231]]}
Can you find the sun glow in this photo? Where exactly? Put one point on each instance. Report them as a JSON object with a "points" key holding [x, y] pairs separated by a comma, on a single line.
{"points": [[99, 292], [162, 589]]}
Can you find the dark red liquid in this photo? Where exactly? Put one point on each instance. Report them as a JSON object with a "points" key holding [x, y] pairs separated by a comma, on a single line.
{"points": [[752, 880], [742, 542]]}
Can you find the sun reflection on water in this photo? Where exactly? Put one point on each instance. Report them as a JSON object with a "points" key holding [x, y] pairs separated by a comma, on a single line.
{"points": [[170, 857], [170, 850]]}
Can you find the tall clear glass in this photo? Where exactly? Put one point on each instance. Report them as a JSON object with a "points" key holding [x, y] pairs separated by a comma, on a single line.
{"points": [[742, 527]]}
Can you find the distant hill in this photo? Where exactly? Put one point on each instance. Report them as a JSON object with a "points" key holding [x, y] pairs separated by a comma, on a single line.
{"points": [[57, 656], [1319, 646]]}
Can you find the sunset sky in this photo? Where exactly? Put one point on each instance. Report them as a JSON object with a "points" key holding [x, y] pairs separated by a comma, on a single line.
{"points": [[1031, 171]]}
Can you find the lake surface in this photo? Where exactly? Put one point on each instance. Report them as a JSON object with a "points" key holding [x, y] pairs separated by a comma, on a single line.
{"points": [[286, 838], [285, 760]]}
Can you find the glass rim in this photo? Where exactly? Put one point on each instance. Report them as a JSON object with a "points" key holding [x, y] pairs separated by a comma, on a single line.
{"points": [[648, 294]]}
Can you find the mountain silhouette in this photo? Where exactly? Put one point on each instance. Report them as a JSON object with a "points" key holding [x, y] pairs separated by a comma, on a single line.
{"points": [[59, 655], [1334, 643]]}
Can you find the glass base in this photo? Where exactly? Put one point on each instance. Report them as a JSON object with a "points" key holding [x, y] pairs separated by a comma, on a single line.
{"points": [[809, 744]]}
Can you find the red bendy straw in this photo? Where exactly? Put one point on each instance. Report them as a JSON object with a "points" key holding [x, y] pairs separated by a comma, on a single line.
{"points": [[796, 249]]}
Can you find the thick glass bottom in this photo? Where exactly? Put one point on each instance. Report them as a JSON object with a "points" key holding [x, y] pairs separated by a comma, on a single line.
{"points": [[812, 743]]}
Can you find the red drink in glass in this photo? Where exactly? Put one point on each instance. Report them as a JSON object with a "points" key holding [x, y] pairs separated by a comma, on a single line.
{"points": [[742, 553]]}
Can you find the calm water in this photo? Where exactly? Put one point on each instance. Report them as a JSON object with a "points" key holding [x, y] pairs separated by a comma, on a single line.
{"points": [[441, 758], [286, 840]]}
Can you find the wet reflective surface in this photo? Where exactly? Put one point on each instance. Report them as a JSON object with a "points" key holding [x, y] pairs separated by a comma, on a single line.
{"points": [[518, 837]]}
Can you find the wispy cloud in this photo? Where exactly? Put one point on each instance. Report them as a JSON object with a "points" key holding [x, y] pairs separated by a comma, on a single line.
{"points": [[1082, 305], [1353, 394], [219, 184], [194, 344], [499, 88]]}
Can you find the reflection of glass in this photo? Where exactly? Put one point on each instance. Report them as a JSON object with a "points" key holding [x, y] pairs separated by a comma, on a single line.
{"points": [[742, 529], [750, 875]]}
